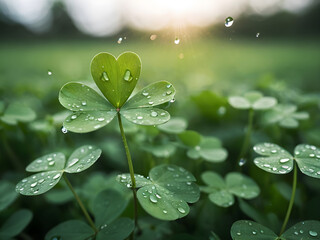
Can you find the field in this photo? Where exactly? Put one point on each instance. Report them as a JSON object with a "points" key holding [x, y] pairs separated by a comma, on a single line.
{"points": [[205, 73]]}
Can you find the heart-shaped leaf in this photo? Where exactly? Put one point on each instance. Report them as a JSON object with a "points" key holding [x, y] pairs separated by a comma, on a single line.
{"points": [[118, 230], [174, 126], [7, 194], [146, 116], [209, 149], [308, 159], [15, 224], [245, 230], [166, 193], [190, 138], [38, 183], [125, 179], [161, 150], [108, 206], [71, 230], [17, 112], [306, 230], [253, 100], [221, 192], [49, 162], [276, 159], [82, 158], [152, 95], [116, 78]]}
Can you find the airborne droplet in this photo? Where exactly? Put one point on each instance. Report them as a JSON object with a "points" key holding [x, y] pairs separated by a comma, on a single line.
{"points": [[228, 22], [120, 40], [242, 162], [177, 41], [64, 130]]}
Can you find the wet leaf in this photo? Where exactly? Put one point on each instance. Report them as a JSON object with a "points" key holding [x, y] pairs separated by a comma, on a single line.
{"points": [[174, 126], [118, 230], [308, 159], [49, 162], [244, 230], [306, 230]]}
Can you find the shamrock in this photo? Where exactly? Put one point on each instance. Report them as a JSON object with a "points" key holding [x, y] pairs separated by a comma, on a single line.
{"points": [[252, 100], [116, 78]]}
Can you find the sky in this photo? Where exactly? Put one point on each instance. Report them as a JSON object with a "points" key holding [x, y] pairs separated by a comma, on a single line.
{"points": [[102, 18]]}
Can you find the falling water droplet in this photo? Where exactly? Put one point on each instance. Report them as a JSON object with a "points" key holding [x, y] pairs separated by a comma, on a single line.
{"points": [[49, 72], [64, 130], [153, 37], [228, 22], [242, 162], [127, 76], [177, 41], [257, 35], [119, 40]]}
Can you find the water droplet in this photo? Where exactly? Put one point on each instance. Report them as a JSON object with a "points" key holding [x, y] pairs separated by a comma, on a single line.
{"points": [[157, 195], [51, 163], [150, 103], [139, 117], [301, 231], [165, 211], [145, 94], [64, 130], [254, 233], [24, 180], [284, 160], [49, 72], [311, 155], [33, 184], [100, 119], [153, 37], [228, 22], [120, 40], [313, 233], [127, 76], [172, 100], [83, 103], [177, 40], [181, 210], [105, 76], [41, 181], [238, 233], [153, 199], [242, 162], [56, 176], [73, 162], [257, 35], [154, 114], [73, 116]]}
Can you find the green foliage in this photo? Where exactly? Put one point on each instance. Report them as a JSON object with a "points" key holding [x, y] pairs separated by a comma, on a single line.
{"points": [[221, 191], [252, 100], [16, 112], [277, 160], [176, 125], [51, 168], [116, 79], [244, 230], [285, 115], [7, 194], [165, 193]]}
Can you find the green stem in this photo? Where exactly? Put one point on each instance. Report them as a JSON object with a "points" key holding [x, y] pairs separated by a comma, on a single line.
{"points": [[84, 210], [294, 186], [247, 139], [133, 180]]}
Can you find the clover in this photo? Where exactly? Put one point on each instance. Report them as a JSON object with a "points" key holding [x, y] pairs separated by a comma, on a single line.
{"points": [[285, 115], [221, 192], [116, 80], [16, 112], [165, 193], [244, 230], [52, 166]]}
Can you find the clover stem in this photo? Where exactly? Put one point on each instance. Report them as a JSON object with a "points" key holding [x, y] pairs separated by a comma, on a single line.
{"points": [[133, 180], [294, 186], [247, 138], [84, 210]]}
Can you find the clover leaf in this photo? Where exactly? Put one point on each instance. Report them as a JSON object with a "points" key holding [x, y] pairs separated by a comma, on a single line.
{"points": [[252, 100], [163, 150], [175, 125], [207, 148], [116, 79], [166, 192], [15, 224], [285, 115], [221, 191], [51, 168], [7, 194], [16, 112], [277, 160], [108, 206], [244, 230]]}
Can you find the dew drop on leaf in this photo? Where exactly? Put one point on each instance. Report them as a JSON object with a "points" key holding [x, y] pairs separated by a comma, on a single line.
{"points": [[181, 210], [154, 114], [49, 72], [127, 76], [228, 22], [242, 162], [104, 76], [64, 130], [313, 233], [153, 199]]}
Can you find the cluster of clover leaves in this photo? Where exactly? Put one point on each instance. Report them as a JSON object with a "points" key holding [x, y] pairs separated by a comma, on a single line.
{"points": [[164, 194]]}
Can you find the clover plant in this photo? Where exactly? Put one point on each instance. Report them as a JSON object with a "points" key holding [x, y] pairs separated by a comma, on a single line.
{"points": [[252, 101], [16, 112]]}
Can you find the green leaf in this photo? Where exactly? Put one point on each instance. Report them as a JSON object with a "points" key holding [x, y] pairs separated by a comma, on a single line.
{"points": [[289, 122], [190, 138], [71, 230], [264, 103], [1, 106], [59, 196], [79, 97], [38, 183], [146, 116], [17, 112], [166, 194], [83, 122], [245, 230], [82, 158], [221, 192], [253, 96], [306, 230], [108, 206], [275, 159], [254, 100], [152, 95], [239, 102], [174, 126], [125, 179], [209, 149], [117, 230], [15, 224], [49, 162], [116, 78], [308, 159], [7, 194], [161, 151]]}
